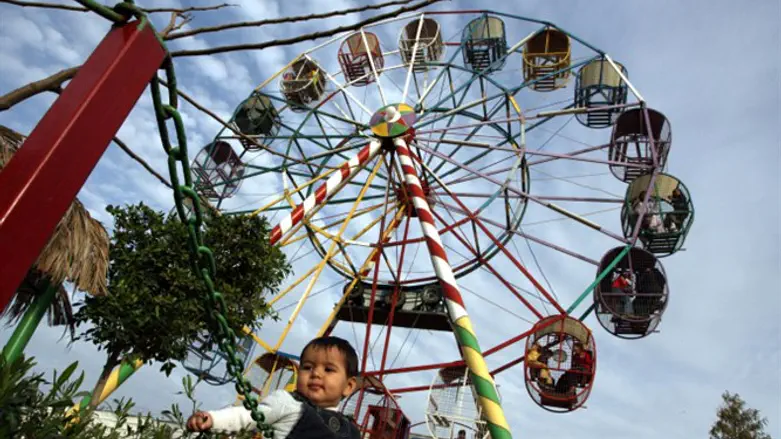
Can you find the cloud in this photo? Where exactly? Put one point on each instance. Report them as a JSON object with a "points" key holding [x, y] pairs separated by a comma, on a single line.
{"points": [[720, 330]]}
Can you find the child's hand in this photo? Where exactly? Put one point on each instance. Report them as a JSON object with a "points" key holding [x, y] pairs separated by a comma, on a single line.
{"points": [[199, 421]]}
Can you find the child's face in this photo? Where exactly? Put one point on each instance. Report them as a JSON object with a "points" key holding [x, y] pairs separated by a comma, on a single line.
{"points": [[322, 376]]}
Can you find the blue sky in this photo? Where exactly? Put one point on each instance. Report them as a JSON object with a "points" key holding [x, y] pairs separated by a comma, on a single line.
{"points": [[710, 67]]}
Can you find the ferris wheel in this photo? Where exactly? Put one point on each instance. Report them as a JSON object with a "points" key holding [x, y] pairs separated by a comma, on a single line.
{"points": [[445, 158]]}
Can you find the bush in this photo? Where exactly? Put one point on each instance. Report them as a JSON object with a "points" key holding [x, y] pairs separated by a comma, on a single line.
{"points": [[32, 407]]}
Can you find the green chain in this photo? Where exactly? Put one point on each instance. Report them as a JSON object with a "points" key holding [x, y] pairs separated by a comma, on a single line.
{"points": [[201, 256]]}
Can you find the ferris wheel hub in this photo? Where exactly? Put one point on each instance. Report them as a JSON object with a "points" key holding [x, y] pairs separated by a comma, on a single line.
{"points": [[394, 120]]}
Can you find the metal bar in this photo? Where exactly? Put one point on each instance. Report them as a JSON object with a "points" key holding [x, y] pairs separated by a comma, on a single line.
{"points": [[331, 252], [396, 293], [43, 178], [540, 115], [508, 365], [490, 268], [599, 278], [527, 236], [540, 153], [551, 206], [542, 197], [372, 259], [509, 255], [325, 191]]}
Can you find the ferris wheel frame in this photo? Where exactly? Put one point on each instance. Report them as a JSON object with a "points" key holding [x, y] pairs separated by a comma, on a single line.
{"points": [[435, 113]]}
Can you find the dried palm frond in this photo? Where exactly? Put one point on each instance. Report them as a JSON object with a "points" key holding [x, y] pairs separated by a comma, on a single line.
{"points": [[76, 252]]}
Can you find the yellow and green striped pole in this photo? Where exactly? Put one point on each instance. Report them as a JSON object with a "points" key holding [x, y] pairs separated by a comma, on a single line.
{"points": [[119, 375]]}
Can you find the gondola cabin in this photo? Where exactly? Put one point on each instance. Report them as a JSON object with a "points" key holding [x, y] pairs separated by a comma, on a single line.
{"points": [[598, 86], [484, 43], [546, 60], [638, 134], [667, 216], [258, 119], [303, 84], [421, 39], [375, 411], [560, 363], [217, 170], [360, 57], [452, 403], [270, 372], [630, 299]]}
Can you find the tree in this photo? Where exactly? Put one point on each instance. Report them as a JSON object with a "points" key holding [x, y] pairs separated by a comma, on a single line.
{"points": [[736, 421], [154, 309]]}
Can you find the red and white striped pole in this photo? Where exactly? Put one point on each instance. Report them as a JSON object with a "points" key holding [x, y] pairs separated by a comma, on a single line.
{"points": [[484, 386], [323, 193]]}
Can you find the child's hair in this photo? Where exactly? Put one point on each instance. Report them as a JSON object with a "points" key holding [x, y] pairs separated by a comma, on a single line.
{"points": [[343, 346]]}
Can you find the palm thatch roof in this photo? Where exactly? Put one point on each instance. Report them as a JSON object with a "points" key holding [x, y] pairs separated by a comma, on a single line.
{"points": [[77, 252]]}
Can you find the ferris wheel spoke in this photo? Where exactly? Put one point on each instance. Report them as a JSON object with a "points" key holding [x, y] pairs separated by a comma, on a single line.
{"points": [[471, 134], [431, 86], [617, 198], [326, 137], [375, 279], [396, 292], [453, 116], [332, 251], [411, 67], [471, 176], [549, 205], [503, 58], [373, 66], [296, 133], [334, 183], [323, 230], [571, 154], [341, 88], [575, 156], [488, 266], [364, 271], [496, 242]]}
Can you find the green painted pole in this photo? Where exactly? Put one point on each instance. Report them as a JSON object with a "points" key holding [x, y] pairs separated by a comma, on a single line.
{"points": [[26, 327], [599, 278]]}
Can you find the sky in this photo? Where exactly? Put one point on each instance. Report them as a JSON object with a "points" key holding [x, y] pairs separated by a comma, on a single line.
{"points": [[721, 330]]}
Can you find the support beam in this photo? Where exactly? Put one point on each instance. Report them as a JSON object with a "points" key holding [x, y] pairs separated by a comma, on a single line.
{"points": [[44, 176], [487, 396]]}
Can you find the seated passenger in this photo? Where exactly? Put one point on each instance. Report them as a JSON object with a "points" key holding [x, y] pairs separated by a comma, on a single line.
{"points": [[650, 289], [674, 220], [581, 371], [537, 361]]}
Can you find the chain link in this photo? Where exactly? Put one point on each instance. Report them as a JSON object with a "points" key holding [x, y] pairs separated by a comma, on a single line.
{"points": [[201, 256]]}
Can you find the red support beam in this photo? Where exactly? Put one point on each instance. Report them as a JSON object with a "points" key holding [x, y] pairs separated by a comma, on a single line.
{"points": [[499, 369], [45, 175], [488, 352]]}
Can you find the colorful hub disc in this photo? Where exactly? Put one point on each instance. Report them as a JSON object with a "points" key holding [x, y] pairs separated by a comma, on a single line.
{"points": [[392, 120]]}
